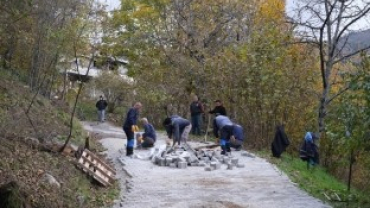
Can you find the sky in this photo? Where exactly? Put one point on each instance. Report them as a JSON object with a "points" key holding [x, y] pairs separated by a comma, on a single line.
{"points": [[112, 4], [362, 24], [290, 6]]}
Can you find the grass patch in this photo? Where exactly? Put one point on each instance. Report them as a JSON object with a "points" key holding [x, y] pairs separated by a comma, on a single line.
{"points": [[86, 110], [318, 182]]}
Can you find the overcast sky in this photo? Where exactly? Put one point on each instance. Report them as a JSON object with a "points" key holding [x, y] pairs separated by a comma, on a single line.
{"points": [[362, 24], [112, 4]]}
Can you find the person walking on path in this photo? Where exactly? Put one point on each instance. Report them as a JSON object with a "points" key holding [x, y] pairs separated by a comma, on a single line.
{"points": [[196, 111], [101, 105], [130, 127], [219, 109], [148, 138], [226, 127], [177, 128]]}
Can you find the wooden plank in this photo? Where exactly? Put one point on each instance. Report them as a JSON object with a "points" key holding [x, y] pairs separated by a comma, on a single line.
{"points": [[92, 155], [91, 173], [89, 162], [104, 172], [94, 175]]}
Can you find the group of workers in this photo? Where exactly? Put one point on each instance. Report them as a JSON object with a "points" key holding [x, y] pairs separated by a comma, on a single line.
{"points": [[228, 134]]}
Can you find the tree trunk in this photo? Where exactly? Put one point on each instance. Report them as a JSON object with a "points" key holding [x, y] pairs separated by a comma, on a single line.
{"points": [[351, 161]]}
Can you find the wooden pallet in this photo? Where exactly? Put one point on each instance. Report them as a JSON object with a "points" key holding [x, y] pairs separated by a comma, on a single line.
{"points": [[95, 167]]}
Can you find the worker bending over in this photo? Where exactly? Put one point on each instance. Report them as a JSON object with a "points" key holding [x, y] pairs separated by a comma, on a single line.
{"points": [[237, 139], [177, 128], [223, 129], [149, 136]]}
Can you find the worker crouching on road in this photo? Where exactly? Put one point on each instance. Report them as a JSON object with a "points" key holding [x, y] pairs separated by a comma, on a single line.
{"points": [[177, 128], [148, 138], [237, 139], [130, 127], [225, 126]]}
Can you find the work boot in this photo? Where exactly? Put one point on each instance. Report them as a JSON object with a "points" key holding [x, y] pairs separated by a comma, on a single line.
{"points": [[223, 152], [227, 147], [129, 151]]}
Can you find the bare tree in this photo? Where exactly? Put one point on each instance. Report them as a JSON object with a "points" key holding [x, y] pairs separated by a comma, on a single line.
{"points": [[90, 32], [326, 24]]}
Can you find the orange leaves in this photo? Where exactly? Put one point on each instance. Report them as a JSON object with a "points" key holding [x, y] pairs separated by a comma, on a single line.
{"points": [[271, 11], [144, 12]]}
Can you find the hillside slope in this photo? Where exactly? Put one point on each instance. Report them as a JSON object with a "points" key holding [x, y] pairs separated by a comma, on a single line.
{"points": [[355, 41], [30, 167]]}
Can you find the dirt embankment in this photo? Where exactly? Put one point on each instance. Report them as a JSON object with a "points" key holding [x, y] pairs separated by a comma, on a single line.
{"points": [[45, 179]]}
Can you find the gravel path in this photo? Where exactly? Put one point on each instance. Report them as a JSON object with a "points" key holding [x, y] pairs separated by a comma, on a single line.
{"points": [[258, 185]]}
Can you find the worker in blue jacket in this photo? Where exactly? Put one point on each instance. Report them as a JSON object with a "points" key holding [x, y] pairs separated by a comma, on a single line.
{"points": [[130, 127], [238, 137], [223, 129], [148, 138]]}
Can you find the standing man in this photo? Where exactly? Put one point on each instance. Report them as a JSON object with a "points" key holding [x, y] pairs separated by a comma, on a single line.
{"points": [[225, 126], [130, 127], [219, 109], [196, 111], [101, 105], [149, 136], [178, 128]]}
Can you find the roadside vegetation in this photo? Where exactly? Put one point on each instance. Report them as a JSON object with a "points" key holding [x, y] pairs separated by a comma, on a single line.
{"points": [[318, 182], [248, 54]]}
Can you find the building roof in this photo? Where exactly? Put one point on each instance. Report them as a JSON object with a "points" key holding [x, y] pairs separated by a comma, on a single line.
{"points": [[93, 72]]}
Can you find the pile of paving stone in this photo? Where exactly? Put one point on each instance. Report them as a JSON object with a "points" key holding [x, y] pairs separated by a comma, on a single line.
{"points": [[183, 156]]}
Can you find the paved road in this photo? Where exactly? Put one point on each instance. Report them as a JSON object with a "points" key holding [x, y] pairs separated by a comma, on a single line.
{"points": [[258, 185]]}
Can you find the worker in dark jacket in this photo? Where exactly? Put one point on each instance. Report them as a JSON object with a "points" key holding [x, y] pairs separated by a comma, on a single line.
{"points": [[280, 142], [219, 109], [238, 137], [147, 139], [101, 105], [130, 127], [223, 125], [196, 111], [177, 128]]}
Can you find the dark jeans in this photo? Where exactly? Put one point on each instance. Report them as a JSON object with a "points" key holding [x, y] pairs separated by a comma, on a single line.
{"points": [[196, 123], [148, 142], [236, 144], [130, 141], [226, 132]]}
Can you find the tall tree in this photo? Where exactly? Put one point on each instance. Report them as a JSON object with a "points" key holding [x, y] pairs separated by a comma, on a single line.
{"points": [[236, 51], [325, 24]]}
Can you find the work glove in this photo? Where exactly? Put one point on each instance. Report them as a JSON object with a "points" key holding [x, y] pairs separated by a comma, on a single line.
{"points": [[140, 140], [134, 128]]}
